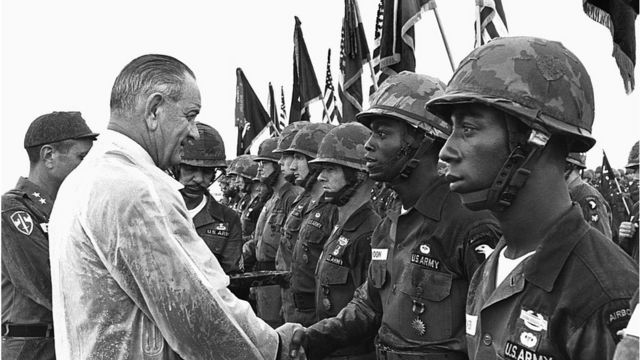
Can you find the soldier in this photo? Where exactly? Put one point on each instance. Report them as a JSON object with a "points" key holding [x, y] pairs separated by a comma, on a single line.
{"points": [[554, 288], [56, 143], [244, 171], [216, 224], [265, 244], [424, 251], [345, 258], [291, 225], [318, 218], [595, 208], [628, 230]]}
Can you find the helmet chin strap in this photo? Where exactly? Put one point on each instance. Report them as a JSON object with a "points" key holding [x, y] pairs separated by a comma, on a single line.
{"points": [[425, 144], [511, 178]]}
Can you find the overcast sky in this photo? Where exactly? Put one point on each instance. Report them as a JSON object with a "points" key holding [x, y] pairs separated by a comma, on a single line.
{"points": [[65, 55]]}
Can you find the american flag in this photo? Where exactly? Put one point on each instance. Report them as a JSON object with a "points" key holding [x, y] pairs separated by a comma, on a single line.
{"points": [[376, 44], [490, 26], [283, 107], [330, 96]]}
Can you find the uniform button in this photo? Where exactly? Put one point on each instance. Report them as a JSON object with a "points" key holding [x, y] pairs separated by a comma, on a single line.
{"points": [[487, 339], [418, 291], [393, 289]]}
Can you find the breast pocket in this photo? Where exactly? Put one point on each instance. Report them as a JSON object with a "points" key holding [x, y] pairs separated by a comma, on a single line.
{"points": [[429, 291], [332, 274], [276, 221]]}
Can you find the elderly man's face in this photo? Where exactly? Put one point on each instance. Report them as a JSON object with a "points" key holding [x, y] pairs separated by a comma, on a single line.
{"points": [[177, 125]]}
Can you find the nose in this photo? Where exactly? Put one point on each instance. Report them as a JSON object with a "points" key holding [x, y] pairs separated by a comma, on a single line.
{"points": [[449, 152], [281, 160], [368, 146], [293, 165], [193, 130], [198, 176], [322, 177]]}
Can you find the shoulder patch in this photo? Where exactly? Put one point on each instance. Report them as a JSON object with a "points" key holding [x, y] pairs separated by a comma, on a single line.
{"points": [[22, 221]]}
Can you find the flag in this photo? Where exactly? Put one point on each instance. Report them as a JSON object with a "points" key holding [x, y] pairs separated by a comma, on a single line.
{"points": [[251, 117], [305, 83], [354, 52], [395, 36], [490, 26], [276, 126], [330, 96], [619, 17], [610, 189], [283, 107]]}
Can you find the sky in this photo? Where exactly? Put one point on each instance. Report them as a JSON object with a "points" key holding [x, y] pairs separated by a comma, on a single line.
{"points": [[65, 55]]}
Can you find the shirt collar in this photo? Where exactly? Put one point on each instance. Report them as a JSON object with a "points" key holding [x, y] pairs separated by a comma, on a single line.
{"points": [[35, 194], [545, 265], [358, 217], [432, 200], [135, 153]]}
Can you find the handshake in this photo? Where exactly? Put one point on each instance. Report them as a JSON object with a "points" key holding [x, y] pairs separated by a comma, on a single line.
{"points": [[292, 337]]}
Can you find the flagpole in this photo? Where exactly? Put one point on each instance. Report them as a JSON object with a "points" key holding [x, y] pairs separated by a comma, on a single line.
{"points": [[478, 26], [373, 77], [444, 39]]}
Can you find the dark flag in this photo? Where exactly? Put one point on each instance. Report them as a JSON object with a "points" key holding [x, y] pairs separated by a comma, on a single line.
{"points": [[490, 26], [610, 188], [251, 117], [305, 83], [276, 126], [354, 52], [619, 17], [283, 107], [330, 96], [395, 35]]}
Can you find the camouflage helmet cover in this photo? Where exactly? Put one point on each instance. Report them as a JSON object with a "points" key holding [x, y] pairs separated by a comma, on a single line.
{"points": [[308, 139], [344, 145], [538, 81], [207, 151], [266, 150], [403, 96], [578, 159], [632, 162], [244, 166], [287, 135]]}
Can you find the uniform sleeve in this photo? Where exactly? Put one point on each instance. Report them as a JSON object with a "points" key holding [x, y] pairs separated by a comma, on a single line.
{"points": [[598, 214], [480, 242], [358, 320], [232, 255], [25, 260], [598, 337], [361, 258], [152, 250]]}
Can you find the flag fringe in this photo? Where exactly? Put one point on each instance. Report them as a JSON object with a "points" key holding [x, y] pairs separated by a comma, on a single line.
{"points": [[412, 21], [626, 67], [598, 15]]}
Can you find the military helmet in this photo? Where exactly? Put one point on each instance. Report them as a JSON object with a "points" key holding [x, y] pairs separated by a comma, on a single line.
{"points": [[403, 96], [287, 135], [344, 145], [538, 81], [244, 166], [265, 150], [308, 139], [633, 156], [207, 151], [578, 159]]}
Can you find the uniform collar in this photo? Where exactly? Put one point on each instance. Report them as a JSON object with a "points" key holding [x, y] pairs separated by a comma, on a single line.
{"points": [[34, 193], [545, 265], [432, 200], [358, 217], [212, 212], [286, 187]]}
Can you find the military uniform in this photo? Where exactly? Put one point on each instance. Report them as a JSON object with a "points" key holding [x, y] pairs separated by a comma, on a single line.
{"points": [[342, 268], [249, 214], [317, 224], [556, 303], [290, 231], [26, 276], [220, 229], [595, 208], [421, 264]]}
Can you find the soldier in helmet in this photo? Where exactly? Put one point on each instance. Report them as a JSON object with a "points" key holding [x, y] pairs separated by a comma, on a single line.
{"points": [[345, 258], [217, 225], [628, 236], [290, 227], [55, 143], [244, 172], [315, 221], [264, 245], [555, 287], [424, 251], [595, 208]]}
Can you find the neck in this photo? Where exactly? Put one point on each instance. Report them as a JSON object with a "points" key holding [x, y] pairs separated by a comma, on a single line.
{"points": [[192, 202], [409, 189], [136, 131], [39, 176], [279, 183], [316, 191], [537, 206], [361, 197]]}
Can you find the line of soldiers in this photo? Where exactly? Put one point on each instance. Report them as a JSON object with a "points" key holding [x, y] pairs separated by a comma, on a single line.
{"points": [[487, 258]]}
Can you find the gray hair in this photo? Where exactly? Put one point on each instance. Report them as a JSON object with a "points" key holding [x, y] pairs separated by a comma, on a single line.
{"points": [[145, 75]]}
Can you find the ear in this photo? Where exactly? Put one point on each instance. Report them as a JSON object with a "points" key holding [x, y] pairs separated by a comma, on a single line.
{"points": [[46, 155], [152, 110]]}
